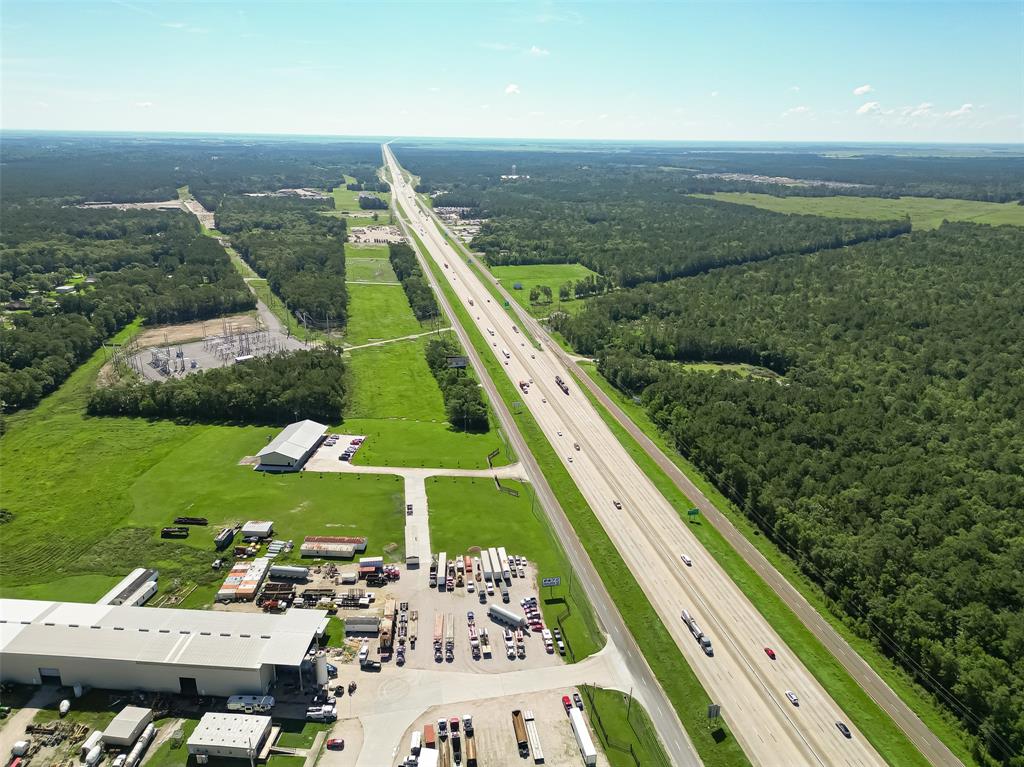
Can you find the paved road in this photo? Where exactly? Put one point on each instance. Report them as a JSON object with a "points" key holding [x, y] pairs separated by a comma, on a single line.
{"points": [[650, 536], [926, 741], [645, 687]]}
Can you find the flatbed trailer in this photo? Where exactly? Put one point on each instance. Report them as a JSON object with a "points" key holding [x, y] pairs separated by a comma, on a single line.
{"points": [[534, 737]]}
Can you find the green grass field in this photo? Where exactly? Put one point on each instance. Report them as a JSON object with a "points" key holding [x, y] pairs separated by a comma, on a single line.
{"points": [[552, 275], [87, 495], [347, 201], [924, 212], [622, 725], [378, 312], [405, 420], [368, 262], [467, 512], [883, 733], [717, 748]]}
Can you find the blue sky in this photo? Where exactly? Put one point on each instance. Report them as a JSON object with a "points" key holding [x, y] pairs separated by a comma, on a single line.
{"points": [[875, 71]]}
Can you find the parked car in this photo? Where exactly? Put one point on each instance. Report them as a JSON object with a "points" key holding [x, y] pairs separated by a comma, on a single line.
{"points": [[566, 702], [577, 700], [844, 729], [769, 652], [336, 744]]}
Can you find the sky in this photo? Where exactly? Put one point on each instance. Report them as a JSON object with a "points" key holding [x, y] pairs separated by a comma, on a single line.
{"points": [[702, 71]]}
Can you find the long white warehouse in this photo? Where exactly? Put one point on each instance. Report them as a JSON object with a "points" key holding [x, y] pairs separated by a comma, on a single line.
{"points": [[192, 652]]}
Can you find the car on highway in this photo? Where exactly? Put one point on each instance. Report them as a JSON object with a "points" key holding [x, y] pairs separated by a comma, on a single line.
{"points": [[470, 616], [686, 560], [566, 702], [576, 445], [570, 459], [532, 357], [617, 504], [792, 697], [769, 652], [844, 729], [543, 400], [559, 434], [577, 700]]}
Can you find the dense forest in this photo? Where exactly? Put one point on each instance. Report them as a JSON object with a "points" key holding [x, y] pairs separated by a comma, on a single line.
{"points": [[417, 289], [464, 404], [889, 462], [300, 252], [149, 264], [275, 389]]}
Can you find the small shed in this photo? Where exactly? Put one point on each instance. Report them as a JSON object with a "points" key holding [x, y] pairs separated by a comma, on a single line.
{"points": [[257, 529], [238, 736], [127, 726]]}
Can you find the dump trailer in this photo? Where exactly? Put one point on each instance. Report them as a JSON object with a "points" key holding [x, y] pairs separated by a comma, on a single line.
{"points": [[470, 752], [534, 737], [583, 739], [519, 725]]}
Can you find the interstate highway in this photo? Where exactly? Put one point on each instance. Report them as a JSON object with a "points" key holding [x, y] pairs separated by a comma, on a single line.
{"points": [[650, 537]]}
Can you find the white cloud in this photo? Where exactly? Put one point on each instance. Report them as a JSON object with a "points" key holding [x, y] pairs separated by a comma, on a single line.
{"points": [[862, 90], [603, 116], [512, 90], [144, 104], [800, 110], [794, 88], [174, 24], [922, 109], [536, 114], [496, 46], [963, 111], [434, 89], [869, 108], [538, 51], [714, 94]]}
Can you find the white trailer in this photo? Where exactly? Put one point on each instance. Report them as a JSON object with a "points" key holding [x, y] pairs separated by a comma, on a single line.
{"points": [[495, 564], [289, 571], [583, 739], [251, 704], [507, 617], [485, 561], [506, 572], [534, 738], [442, 570]]}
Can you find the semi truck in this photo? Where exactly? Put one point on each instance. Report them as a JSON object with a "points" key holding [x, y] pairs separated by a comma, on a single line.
{"points": [[442, 570], [519, 725], [506, 573], [438, 635], [583, 739], [433, 572], [485, 562], [449, 637], [534, 738], [495, 564], [561, 384], [505, 354], [698, 634], [470, 751]]}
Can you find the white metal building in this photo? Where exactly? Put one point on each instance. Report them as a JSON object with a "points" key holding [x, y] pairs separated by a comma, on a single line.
{"points": [[292, 447], [127, 726], [192, 652], [232, 735]]}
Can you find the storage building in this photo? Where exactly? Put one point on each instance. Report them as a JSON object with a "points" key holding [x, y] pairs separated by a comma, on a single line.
{"points": [[290, 449], [332, 546], [191, 652], [362, 624], [127, 726], [256, 529], [238, 736], [129, 586]]}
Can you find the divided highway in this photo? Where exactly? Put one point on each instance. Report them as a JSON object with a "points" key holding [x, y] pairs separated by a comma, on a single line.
{"points": [[651, 538]]}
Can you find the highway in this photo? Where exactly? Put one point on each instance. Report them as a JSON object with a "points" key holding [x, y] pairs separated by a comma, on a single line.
{"points": [[647, 690], [651, 537]]}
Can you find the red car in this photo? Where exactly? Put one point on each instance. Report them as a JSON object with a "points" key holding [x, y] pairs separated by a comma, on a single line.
{"points": [[336, 744], [567, 702], [769, 652]]}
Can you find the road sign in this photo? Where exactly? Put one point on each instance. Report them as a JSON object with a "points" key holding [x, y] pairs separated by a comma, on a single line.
{"points": [[714, 709], [557, 581], [693, 512]]}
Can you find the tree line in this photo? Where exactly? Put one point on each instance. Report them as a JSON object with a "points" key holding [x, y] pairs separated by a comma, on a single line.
{"points": [[464, 404], [889, 460], [275, 389], [417, 289]]}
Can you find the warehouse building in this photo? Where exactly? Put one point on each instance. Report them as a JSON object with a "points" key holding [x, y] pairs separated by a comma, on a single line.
{"points": [[238, 736], [290, 449], [192, 652]]}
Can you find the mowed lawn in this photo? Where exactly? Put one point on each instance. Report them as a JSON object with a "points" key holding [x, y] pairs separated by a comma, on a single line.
{"points": [[379, 312], [924, 212], [552, 275], [368, 263], [467, 512], [89, 494], [397, 404]]}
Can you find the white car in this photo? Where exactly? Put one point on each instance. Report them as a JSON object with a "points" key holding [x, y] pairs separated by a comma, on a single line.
{"points": [[792, 697], [559, 434], [686, 560]]}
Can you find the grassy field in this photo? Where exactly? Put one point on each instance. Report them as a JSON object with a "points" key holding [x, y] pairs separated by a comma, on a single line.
{"points": [[744, 370], [377, 312], [717, 748], [467, 512], [880, 729], [87, 495], [368, 262], [552, 275], [622, 725], [406, 420], [924, 212]]}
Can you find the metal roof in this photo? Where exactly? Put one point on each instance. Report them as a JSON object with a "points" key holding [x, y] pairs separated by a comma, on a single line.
{"points": [[229, 730], [156, 635], [295, 440], [128, 723]]}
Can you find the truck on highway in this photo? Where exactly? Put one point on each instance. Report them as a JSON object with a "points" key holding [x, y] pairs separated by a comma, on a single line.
{"points": [[490, 331], [525, 387], [505, 354], [561, 384], [698, 634], [534, 738], [519, 725]]}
